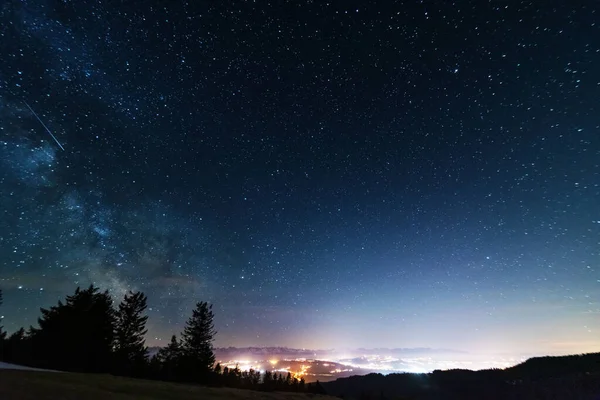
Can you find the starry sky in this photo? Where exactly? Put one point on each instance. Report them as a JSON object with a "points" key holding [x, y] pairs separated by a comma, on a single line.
{"points": [[327, 174]]}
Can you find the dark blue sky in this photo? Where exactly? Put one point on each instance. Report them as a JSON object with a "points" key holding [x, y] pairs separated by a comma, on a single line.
{"points": [[327, 174]]}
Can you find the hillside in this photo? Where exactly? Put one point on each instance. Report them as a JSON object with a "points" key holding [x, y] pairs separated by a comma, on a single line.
{"points": [[29, 385], [547, 378], [550, 366]]}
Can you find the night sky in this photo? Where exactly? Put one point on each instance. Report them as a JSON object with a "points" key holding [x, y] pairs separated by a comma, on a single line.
{"points": [[341, 174]]}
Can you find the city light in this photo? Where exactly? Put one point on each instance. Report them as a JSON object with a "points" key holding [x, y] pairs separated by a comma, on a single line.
{"points": [[336, 367]]}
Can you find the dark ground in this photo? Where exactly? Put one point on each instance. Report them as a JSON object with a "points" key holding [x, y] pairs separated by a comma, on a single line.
{"points": [[28, 385]]}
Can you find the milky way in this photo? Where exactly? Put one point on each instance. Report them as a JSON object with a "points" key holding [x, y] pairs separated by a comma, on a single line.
{"points": [[328, 175]]}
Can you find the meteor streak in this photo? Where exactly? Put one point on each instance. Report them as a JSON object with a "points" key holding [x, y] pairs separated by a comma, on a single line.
{"points": [[44, 125]]}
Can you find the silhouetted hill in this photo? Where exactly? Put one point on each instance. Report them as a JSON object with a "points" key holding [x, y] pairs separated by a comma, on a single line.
{"points": [[540, 367], [568, 377]]}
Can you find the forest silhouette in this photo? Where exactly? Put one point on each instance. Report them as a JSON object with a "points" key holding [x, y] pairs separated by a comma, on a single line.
{"points": [[87, 334]]}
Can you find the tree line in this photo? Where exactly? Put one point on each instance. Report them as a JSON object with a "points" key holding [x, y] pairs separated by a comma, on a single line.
{"points": [[87, 333]]}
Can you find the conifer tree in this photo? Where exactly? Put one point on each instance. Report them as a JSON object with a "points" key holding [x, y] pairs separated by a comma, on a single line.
{"points": [[155, 368], [131, 353], [219, 378], [268, 380], [172, 352], [245, 379], [316, 388], [78, 335], [16, 348], [197, 338], [253, 377], [226, 378], [2, 332], [170, 359], [235, 376]]}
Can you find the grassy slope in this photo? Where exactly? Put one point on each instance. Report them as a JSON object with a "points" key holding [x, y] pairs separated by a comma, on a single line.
{"points": [[28, 385]]}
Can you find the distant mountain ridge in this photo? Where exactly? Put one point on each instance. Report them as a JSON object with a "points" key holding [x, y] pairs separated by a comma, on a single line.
{"points": [[303, 352], [267, 350], [258, 351], [408, 350]]}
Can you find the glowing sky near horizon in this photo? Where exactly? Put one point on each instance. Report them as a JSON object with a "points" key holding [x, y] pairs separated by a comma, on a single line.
{"points": [[327, 174]]}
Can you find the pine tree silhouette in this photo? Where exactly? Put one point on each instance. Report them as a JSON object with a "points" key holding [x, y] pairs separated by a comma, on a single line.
{"points": [[225, 379], [78, 335], [2, 333], [253, 378], [155, 368], [198, 357], [218, 369], [267, 381], [17, 348], [131, 353], [317, 388], [218, 372], [235, 377], [245, 379], [170, 360]]}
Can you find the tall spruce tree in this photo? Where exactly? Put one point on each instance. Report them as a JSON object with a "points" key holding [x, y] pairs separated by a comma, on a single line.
{"points": [[197, 338], [131, 353]]}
